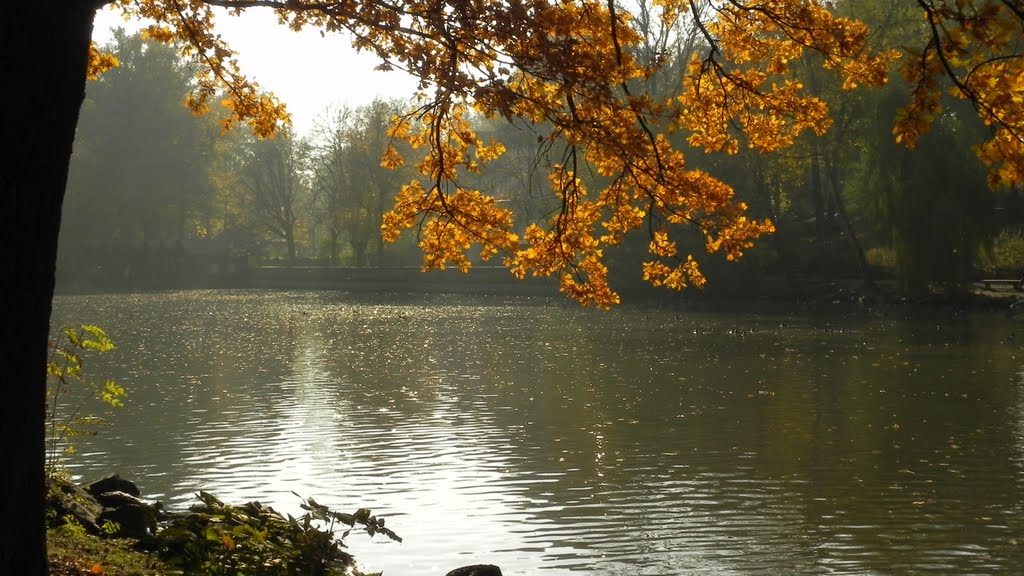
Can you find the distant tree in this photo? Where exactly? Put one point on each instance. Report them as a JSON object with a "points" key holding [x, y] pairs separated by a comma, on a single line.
{"points": [[119, 191], [271, 185], [350, 187], [331, 178], [517, 178], [931, 206], [375, 185]]}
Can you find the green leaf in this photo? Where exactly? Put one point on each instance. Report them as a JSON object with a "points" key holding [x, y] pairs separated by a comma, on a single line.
{"points": [[100, 343], [112, 394]]}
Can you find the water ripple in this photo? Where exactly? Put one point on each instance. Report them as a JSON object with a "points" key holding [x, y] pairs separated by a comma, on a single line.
{"points": [[557, 440]]}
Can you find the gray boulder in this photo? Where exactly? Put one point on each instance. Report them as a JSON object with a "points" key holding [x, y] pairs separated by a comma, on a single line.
{"points": [[66, 500], [112, 499], [135, 517]]}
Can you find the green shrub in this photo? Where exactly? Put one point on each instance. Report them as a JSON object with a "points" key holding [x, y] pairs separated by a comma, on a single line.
{"points": [[881, 257], [217, 539], [1006, 253], [68, 393]]}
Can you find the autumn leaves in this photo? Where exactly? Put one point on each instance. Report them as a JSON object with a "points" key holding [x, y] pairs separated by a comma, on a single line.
{"points": [[975, 46], [578, 82], [572, 72]]}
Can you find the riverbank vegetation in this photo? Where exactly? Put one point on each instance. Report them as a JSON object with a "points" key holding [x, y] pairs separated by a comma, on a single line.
{"points": [[78, 553], [210, 539]]}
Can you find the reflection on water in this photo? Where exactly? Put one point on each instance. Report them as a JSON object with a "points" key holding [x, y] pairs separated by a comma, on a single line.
{"points": [[552, 439]]}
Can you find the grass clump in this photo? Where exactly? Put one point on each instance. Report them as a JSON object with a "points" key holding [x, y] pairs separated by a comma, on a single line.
{"points": [[1005, 254], [74, 552]]}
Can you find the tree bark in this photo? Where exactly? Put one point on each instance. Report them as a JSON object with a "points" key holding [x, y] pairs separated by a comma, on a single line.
{"points": [[289, 240], [46, 43], [334, 242], [822, 260], [851, 232], [359, 251]]}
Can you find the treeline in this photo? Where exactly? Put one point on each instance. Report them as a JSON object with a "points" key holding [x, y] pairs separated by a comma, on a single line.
{"points": [[155, 191], [148, 176]]}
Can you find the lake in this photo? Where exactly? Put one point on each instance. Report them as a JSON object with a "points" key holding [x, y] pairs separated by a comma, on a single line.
{"points": [[551, 439]]}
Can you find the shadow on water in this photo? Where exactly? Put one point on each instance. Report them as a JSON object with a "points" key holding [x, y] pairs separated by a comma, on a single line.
{"points": [[549, 438]]}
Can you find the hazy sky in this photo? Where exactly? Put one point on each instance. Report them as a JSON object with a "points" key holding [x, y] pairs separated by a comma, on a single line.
{"points": [[306, 71]]}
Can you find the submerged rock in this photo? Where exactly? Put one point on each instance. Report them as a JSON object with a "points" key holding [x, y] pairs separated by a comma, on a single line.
{"points": [[113, 483], [476, 570]]}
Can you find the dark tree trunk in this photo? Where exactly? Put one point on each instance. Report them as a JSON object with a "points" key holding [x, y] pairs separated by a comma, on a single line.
{"points": [[46, 43], [379, 263], [848, 229], [289, 240], [822, 261], [334, 244], [359, 252]]}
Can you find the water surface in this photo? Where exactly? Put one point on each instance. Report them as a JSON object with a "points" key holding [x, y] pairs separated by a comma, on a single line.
{"points": [[550, 439]]}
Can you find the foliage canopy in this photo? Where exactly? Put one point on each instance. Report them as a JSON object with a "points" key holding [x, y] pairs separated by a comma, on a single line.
{"points": [[574, 73]]}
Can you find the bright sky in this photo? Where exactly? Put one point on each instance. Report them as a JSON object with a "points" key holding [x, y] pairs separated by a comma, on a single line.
{"points": [[307, 72]]}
